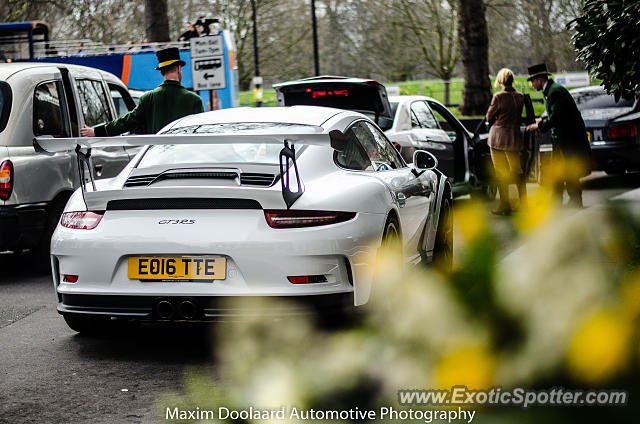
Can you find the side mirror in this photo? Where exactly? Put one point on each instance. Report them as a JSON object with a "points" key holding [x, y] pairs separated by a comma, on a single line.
{"points": [[424, 160]]}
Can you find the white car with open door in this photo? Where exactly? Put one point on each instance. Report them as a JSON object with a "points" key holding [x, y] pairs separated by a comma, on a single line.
{"points": [[292, 202], [410, 122]]}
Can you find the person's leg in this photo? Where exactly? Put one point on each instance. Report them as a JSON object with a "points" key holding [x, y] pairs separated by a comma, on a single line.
{"points": [[501, 166], [515, 166], [574, 169], [559, 175], [574, 189]]}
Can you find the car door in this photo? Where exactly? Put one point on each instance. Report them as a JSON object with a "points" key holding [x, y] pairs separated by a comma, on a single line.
{"points": [[95, 110], [431, 137], [40, 178], [413, 193], [459, 138], [124, 103]]}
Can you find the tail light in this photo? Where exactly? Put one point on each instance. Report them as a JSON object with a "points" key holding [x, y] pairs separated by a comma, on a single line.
{"points": [[6, 179], [69, 278], [81, 220], [307, 279], [623, 130], [296, 219]]}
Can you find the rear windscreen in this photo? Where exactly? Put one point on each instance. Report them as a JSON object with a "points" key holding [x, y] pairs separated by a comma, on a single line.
{"points": [[599, 99], [361, 98], [5, 104], [264, 153]]}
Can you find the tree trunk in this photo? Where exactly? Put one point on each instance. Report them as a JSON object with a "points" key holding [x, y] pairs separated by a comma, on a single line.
{"points": [[474, 48], [156, 20], [447, 91]]}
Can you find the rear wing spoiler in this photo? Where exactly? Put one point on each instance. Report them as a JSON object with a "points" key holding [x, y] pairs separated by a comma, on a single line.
{"points": [[82, 147]]}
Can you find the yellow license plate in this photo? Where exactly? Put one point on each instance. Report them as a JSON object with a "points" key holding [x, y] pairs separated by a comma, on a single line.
{"points": [[187, 268]]}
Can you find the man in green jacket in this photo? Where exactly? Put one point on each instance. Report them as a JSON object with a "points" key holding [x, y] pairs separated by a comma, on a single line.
{"points": [[156, 108], [571, 151]]}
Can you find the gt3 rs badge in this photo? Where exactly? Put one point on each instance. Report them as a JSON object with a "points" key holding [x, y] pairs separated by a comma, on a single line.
{"points": [[177, 221]]}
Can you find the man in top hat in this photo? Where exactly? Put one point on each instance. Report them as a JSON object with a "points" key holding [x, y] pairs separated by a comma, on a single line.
{"points": [[571, 152], [156, 108]]}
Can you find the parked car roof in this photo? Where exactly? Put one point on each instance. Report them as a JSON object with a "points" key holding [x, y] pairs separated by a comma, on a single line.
{"points": [[8, 69]]}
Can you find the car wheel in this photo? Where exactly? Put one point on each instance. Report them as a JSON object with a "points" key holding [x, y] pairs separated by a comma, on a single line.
{"points": [[391, 234], [390, 262], [390, 253], [391, 241], [86, 324], [44, 248], [340, 319], [443, 246]]}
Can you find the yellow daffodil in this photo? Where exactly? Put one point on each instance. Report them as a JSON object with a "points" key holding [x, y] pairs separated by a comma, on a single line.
{"points": [[601, 347], [471, 220], [473, 367]]}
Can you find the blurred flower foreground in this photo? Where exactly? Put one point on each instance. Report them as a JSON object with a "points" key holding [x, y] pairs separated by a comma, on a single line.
{"points": [[560, 310]]}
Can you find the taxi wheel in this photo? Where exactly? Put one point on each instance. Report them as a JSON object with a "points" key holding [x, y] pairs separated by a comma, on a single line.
{"points": [[44, 248]]}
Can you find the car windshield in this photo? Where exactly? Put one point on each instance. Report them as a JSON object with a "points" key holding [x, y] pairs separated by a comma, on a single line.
{"points": [[599, 99], [264, 153]]}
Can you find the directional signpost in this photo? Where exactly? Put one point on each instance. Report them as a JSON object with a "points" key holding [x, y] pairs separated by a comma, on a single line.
{"points": [[207, 63]]}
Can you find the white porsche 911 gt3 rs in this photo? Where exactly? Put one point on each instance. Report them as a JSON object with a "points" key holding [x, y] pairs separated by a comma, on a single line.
{"points": [[290, 202]]}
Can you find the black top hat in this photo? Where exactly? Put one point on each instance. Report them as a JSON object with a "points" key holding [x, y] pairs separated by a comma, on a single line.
{"points": [[537, 71], [168, 57]]}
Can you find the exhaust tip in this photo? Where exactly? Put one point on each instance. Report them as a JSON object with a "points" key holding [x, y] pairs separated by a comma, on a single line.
{"points": [[187, 309], [165, 309]]}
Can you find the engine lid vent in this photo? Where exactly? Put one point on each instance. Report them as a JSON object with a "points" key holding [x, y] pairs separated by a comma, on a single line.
{"points": [[145, 180], [259, 179]]}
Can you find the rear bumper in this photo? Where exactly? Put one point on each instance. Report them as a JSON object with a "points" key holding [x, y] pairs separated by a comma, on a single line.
{"points": [[615, 155], [209, 308], [259, 259], [22, 226], [605, 156]]}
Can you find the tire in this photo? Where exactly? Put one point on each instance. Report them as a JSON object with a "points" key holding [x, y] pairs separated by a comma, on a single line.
{"points": [[443, 245], [87, 324], [393, 259], [340, 319], [43, 250], [391, 245], [391, 241], [391, 234]]}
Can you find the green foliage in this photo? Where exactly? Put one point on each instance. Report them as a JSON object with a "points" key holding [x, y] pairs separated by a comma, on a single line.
{"points": [[562, 309], [606, 39]]}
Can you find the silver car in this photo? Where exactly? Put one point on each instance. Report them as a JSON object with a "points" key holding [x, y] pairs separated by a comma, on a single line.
{"points": [[411, 123], [49, 100]]}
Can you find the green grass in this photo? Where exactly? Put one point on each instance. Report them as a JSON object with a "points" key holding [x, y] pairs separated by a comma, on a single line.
{"points": [[431, 87]]}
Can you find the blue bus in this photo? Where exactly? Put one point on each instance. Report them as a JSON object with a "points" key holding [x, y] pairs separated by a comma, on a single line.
{"points": [[134, 64]]}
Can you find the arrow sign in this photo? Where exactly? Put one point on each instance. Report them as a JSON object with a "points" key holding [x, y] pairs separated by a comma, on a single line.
{"points": [[208, 73]]}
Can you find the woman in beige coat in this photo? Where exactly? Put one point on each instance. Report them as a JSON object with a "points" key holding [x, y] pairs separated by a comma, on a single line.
{"points": [[505, 140]]}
